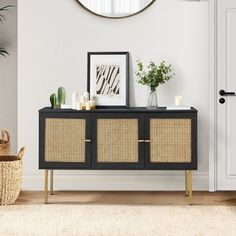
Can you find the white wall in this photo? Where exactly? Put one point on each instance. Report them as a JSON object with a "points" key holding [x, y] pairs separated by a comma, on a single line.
{"points": [[8, 73], [54, 37]]}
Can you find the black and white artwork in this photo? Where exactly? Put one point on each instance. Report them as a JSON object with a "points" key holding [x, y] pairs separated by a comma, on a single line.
{"points": [[108, 74], [108, 80]]}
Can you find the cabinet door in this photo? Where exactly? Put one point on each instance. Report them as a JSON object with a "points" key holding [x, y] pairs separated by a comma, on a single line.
{"points": [[117, 142], [65, 141], [171, 143]]}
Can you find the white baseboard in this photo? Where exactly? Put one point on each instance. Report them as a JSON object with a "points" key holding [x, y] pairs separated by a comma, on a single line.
{"points": [[101, 180]]}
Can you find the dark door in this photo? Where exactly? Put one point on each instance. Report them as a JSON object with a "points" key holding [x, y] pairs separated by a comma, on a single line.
{"points": [[171, 141], [64, 141], [117, 141]]}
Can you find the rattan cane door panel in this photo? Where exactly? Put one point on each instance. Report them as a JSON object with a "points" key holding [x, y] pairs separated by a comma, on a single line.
{"points": [[65, 140], [170, 140], [117, 141]]}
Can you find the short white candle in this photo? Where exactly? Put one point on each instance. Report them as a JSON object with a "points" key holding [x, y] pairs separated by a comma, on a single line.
{"points": [[178, 100], [82, 101], [88, 106], [92, 103]]}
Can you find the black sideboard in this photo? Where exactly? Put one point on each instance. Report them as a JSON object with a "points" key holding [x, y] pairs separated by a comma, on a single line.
{"points": [[118, 139]]}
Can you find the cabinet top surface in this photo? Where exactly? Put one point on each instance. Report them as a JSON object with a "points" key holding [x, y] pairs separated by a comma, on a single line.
{"points": [[118, 110]]}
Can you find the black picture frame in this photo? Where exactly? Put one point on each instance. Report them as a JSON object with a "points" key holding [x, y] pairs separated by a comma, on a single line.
{"points": [[126, 55]]}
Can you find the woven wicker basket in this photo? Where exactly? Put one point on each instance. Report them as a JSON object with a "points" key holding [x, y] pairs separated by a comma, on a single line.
{"points": [[5, 146], [11, 170]]}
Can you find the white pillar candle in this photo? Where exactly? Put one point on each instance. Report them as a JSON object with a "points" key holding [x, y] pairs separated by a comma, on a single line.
{"points": [[178, 100], [82, 103], [78, 107], [86, 96], [74, 100]]}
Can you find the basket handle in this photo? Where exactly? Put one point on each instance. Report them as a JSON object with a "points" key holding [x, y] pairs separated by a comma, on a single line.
{"points": [[21, 153], [3, 136]]}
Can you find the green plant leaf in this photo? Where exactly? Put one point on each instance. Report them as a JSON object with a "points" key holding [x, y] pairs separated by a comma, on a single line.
{"points": [[154, 75]]}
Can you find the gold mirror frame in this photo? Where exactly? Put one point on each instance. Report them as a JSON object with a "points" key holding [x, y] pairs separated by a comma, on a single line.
{"points": [[113, 17]]}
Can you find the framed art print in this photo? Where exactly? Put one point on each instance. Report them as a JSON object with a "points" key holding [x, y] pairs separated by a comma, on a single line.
{"points": [[108, 79]]}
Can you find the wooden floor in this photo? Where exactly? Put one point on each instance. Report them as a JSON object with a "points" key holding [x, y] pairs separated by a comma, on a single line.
{"points": [[129, 198]]}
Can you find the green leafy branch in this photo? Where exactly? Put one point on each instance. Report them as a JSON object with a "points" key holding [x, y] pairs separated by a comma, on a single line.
{"points": [[154, 75]]}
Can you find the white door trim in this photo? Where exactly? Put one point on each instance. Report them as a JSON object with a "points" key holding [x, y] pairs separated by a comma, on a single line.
{"points": [[212, 94]]}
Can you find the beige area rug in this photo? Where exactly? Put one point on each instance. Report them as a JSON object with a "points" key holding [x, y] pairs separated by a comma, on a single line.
{"points": [[112, 220]]}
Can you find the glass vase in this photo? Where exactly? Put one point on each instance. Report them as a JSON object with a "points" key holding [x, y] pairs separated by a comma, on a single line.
{"points": [[152, 100]]}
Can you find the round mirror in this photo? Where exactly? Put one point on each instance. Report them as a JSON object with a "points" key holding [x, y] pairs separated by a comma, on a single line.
{"points": [[115, 8]]}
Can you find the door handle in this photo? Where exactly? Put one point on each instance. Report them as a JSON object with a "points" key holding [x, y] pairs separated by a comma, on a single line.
{"points": [[223, 93], [141, 141], [144, 141]]}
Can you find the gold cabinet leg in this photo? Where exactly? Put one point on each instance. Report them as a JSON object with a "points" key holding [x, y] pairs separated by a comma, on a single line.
{"points": [[190, 186], [46, 187], [186, 183], [51, 182]]}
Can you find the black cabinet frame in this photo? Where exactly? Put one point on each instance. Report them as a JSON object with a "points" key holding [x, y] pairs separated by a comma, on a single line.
{"points": [[143, 115]]}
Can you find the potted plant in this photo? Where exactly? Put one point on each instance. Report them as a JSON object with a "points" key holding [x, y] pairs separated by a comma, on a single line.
{"points": [[3, 51], [153, 77]]}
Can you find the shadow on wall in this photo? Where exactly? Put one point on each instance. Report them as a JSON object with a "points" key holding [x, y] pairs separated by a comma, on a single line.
{"points": [[8, 72]]}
